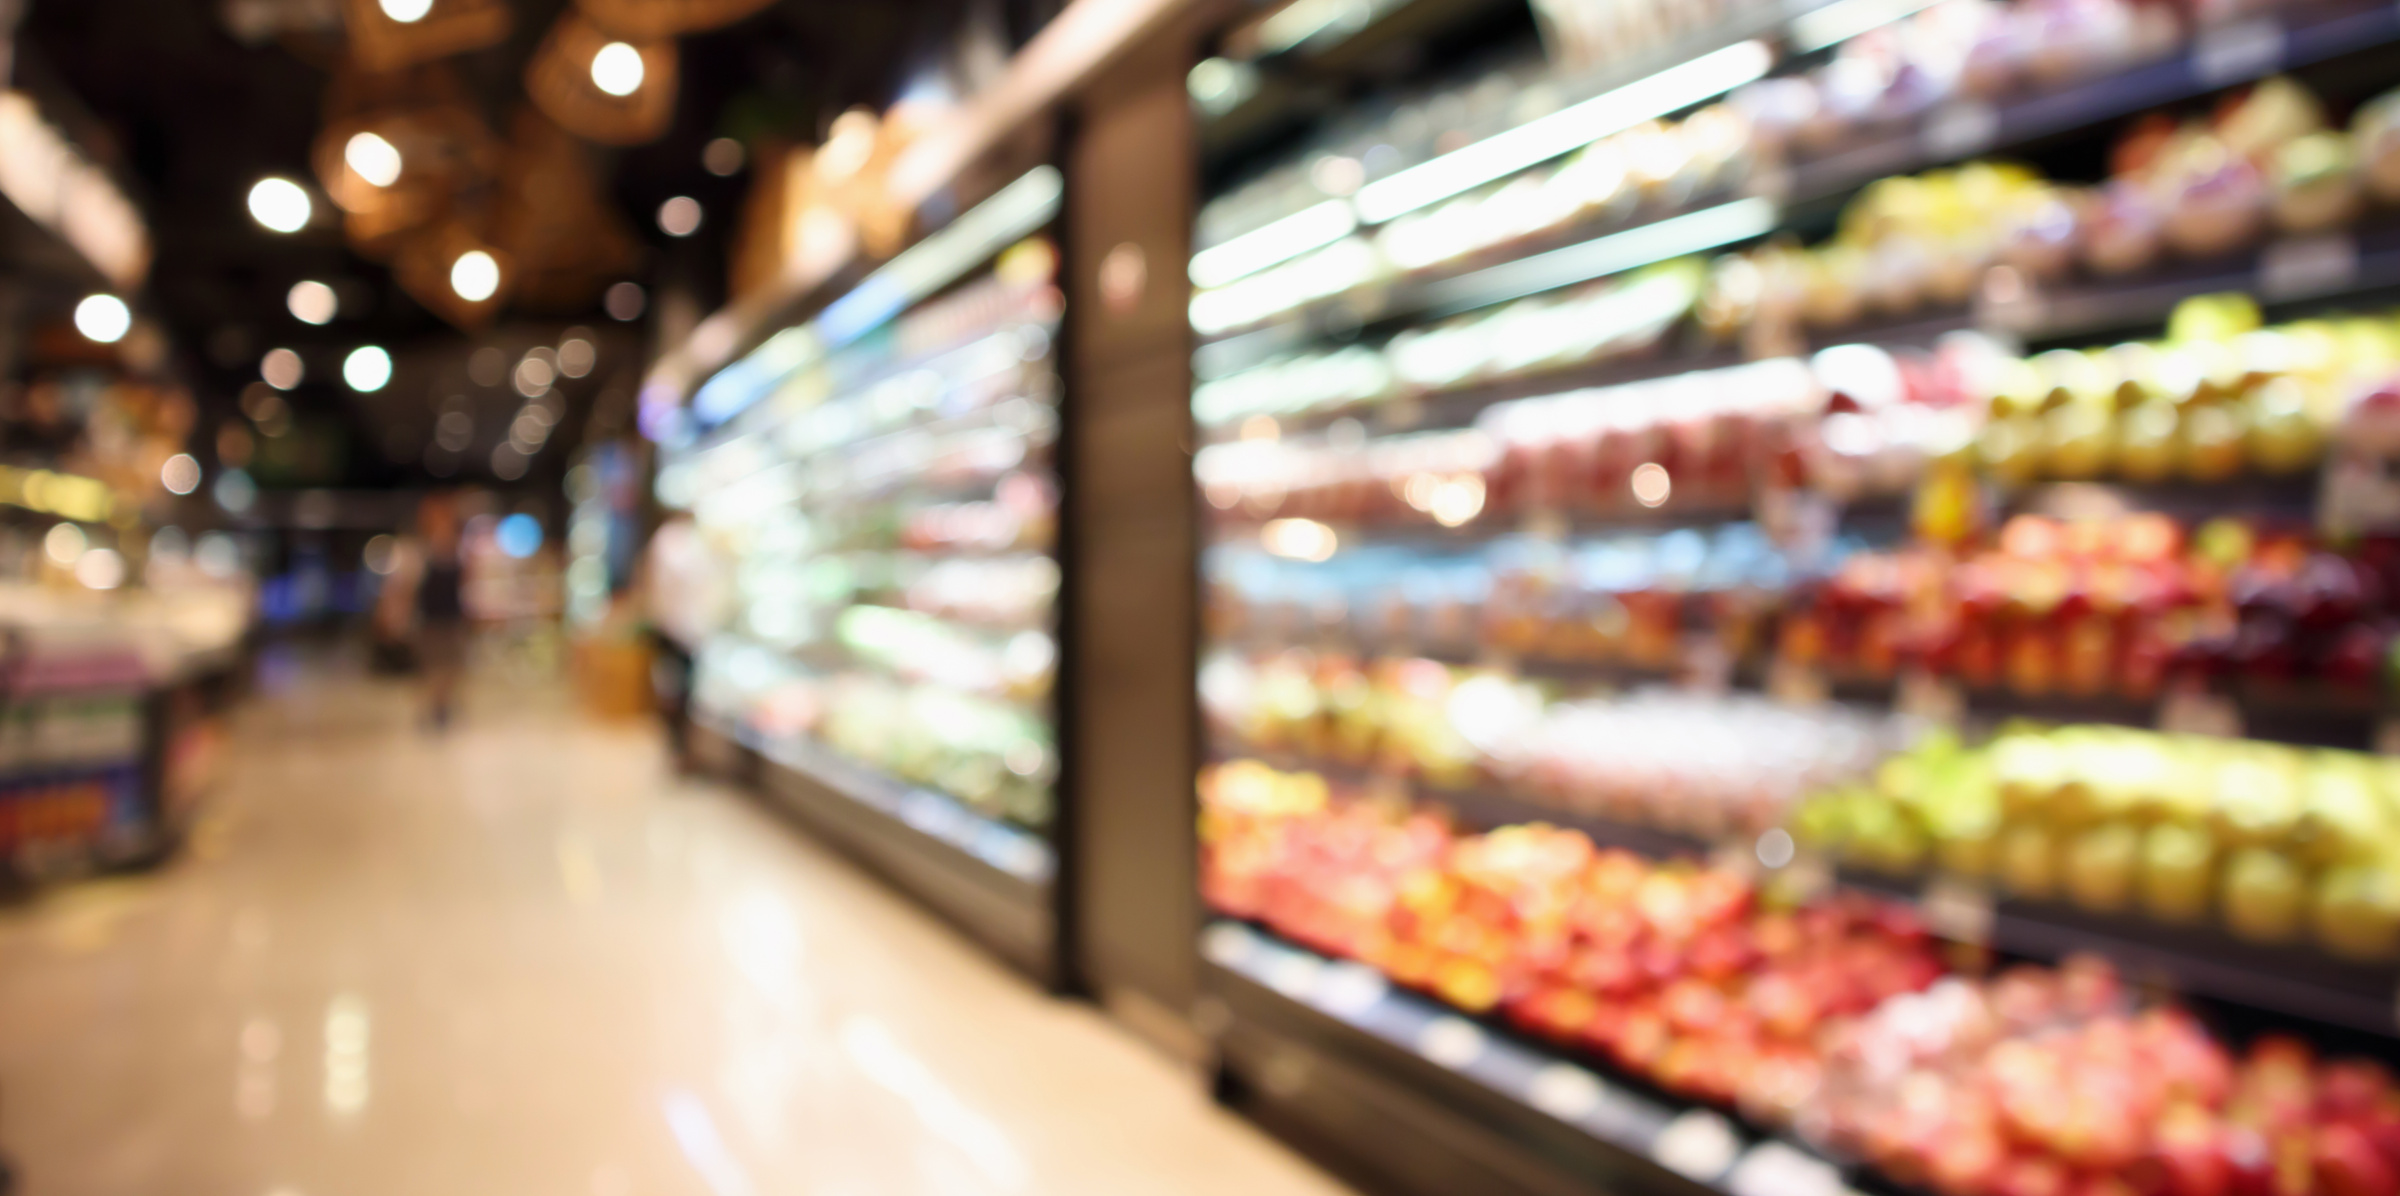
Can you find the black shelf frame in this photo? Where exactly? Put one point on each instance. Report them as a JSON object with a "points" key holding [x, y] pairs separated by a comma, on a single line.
{"points": [[1411, 1097]]}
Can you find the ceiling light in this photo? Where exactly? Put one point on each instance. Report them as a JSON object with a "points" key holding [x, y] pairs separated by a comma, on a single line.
{"points": [[1564, 131], [280, 205], [103, 318], [475, 277], [617, 69], [723, 157], [576, 357], [313, 302], [680, 216], [180, 474], [625, 301], [367, 368], [281, 369], [407, 12], [372, 158], [534, 377]]}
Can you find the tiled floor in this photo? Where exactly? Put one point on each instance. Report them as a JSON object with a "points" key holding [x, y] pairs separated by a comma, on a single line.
{"points": [[522, 959]]}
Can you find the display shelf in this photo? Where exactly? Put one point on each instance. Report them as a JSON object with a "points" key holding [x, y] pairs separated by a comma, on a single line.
{"points": [[1423, 1100], [2221, 56], [2200, 961], [990, 878]]}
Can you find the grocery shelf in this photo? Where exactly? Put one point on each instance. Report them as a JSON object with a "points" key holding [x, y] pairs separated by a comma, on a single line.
{"points": [[2200, 961], [991, 879], [1421, 1100], [2219, 57], [2197, 961]]}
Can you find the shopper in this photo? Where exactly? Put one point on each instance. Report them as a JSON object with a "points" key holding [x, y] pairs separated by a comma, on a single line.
{"points": [[440, 606]]}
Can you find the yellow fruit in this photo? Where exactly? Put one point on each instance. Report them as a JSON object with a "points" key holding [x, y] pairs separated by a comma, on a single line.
{"points": [[2101, 866], [2029, 770], [2258, 795], [2357, 910], [2264, 896], [2342, 816], [2176, 862], [2028, 867]]}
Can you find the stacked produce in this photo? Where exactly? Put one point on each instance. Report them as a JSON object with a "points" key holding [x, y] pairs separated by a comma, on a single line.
{"points": [[2276, 843], [1698, 764], [1831, 1019], [2111, 606], [993, 755], [1676, 972], [2265, 161], [2058, 1082]]}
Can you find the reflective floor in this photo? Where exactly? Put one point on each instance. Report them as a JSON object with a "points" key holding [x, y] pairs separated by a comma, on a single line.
{"points": [[522, 959]]}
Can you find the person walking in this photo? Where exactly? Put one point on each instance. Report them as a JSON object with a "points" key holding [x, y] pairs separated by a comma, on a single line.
{"points": [[440, 607]]}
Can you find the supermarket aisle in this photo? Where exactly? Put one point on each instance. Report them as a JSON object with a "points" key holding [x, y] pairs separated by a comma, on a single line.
{"points": [[522, 960]]}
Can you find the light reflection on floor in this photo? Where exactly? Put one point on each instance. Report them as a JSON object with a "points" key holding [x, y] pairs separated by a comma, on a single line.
{"points": [[521, 959]]}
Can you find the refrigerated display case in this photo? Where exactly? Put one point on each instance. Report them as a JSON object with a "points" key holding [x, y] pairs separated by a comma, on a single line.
{"points": [[1796, 595], [880, 483]]}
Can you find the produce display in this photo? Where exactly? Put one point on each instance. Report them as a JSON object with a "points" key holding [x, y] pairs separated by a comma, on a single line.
{"points": [[890, 508], [2274, 843], [2116, 606], [1833, 476], [1705, 765], [1833, 1018]]}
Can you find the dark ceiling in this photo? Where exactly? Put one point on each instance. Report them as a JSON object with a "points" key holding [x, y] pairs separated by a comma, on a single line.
{"points": [[188, 117]]}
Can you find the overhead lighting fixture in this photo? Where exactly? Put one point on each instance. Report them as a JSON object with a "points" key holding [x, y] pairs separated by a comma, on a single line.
{"points": [[617, 69], [723, 157], [280, 205], [1846, 19], [1564, 131], [313, 302], [180, 474], [103, 318], [1600, 257], [372, 158], [625, 301], [1281, 241], [281, 368], [475, 276], [367, 368], [679, 217], [407, 12]]}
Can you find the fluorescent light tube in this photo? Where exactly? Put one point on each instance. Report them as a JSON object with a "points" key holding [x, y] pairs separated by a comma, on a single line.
{"points": [[1281, 241], [1846, 19], [1564, 131], [1602, 256]]}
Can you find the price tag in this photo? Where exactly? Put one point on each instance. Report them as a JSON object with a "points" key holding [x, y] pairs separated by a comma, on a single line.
{"points": [[1774, 1169], [2198, 712], [1699, 1145], [1453, 1042], [2238, 52], [1958, 911], [1935, 699], [1960, 129], [2296, 267], [1564, 1091]]}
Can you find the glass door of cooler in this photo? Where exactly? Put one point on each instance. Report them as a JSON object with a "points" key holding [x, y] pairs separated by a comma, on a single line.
{"points": [[879, 490], [1806, 590]]}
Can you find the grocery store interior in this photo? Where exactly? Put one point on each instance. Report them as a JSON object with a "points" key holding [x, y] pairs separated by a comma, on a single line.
{"points": [[1292, 597]]}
